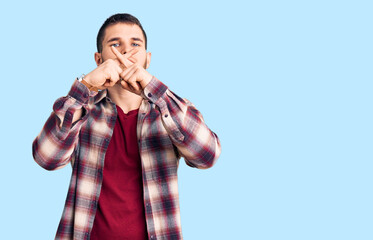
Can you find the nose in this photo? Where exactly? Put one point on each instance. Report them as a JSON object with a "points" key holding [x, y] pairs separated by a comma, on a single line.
{"points": [[125, 49]]}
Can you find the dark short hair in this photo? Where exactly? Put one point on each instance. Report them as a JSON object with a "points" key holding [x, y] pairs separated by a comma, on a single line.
{"points": [[118, 18]]}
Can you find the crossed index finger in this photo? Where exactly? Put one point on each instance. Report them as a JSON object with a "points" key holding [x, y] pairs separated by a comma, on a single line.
{"points": [[124, 58]]}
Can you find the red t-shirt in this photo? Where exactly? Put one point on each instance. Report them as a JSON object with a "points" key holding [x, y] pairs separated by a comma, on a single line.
{"points": [[120, 213]]}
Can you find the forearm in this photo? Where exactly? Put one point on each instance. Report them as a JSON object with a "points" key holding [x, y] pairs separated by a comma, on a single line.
{"points": [[56, 143], [53, 149], [199, 146]]}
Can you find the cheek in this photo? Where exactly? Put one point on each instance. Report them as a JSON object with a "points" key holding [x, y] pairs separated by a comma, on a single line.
{"points": [[140, 57], [107, 54]]}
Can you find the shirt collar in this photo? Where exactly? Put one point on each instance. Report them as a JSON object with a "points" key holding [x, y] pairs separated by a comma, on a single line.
{"points": [[101, 95]]}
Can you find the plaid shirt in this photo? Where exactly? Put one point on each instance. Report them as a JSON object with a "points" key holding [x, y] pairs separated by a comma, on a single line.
{"points": [[168, 128]]}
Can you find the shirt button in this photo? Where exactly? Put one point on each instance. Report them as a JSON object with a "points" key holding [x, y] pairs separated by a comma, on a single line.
{"points": [[152, 237], [85, 95], [149, 95], [166, 115]]}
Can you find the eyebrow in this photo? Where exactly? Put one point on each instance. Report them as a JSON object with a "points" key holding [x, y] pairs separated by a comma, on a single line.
{"points": [[114, 39], [137, 39]]}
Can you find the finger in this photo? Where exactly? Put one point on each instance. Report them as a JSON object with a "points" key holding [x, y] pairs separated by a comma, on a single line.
{"points": [[131, 52], [114, 70], [111, 76], [126, 86], [120, 68], [122, 57], [132, 81], [127, 63], [132, 60], [127, 73], [114, 75], [109, 83]]}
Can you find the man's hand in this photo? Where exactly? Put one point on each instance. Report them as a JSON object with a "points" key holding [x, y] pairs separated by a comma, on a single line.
{"points": [[134, 78], [108, 73]]}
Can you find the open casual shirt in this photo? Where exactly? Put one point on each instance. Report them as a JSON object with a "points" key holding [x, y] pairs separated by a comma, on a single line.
{"points": [[168, 128]]}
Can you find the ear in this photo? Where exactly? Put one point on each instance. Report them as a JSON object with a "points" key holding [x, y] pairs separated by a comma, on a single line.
{"points": [[148, 57], [98, 58]]}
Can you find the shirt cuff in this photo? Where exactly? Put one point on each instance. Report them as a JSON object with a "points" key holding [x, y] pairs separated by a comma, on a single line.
{"points": [[80, 92], [154, 90]]}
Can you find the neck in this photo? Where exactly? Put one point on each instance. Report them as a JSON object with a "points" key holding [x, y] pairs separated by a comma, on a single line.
{"points": [[125, 99]]}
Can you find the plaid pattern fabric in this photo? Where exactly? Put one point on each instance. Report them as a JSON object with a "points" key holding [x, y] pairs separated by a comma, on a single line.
{"points": [[168, 128]]}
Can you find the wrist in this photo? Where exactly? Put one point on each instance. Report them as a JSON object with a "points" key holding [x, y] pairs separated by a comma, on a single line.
{"points": [[146, 80], [85, 82]]}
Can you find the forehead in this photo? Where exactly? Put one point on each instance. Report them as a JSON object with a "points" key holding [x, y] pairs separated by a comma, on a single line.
{"points": [[124, 31]]}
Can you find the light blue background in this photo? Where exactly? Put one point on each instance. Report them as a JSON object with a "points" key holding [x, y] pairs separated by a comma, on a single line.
{"points": [[285, 84]]}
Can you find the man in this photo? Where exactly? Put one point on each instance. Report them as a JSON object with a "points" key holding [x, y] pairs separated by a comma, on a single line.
{"points": [[123, 131]]}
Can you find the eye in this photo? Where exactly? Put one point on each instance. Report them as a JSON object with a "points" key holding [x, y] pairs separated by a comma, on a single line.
{"points": [[135, 44], [114, 45]]}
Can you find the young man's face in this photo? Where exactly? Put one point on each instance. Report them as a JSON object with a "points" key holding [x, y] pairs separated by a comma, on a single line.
{"points": [[124, 37]]}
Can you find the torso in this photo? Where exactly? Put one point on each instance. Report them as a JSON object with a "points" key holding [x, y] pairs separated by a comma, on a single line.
{"points": [[120, 212]]}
